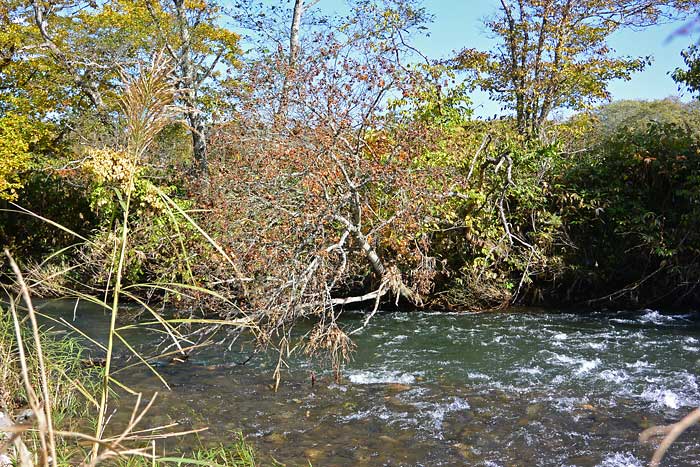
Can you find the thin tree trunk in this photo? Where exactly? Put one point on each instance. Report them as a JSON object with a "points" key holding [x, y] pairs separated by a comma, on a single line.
{"points": [[199, 142], [291, 60], [188, 83], [402, 290], [294, 33]]}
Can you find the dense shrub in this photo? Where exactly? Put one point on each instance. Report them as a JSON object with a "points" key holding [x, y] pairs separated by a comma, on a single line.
{"points": [[630, 206]]}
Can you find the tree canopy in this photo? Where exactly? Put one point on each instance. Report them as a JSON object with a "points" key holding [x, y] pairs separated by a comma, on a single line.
{"points": [[64, 61], [690, 76], [341, 163], [554, 54]]}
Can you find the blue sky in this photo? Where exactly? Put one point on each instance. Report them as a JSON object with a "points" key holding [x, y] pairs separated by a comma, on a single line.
{"points": [[458, 24]]}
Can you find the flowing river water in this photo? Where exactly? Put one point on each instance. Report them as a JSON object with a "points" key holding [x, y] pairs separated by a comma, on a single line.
{"points": [[524, 388]]}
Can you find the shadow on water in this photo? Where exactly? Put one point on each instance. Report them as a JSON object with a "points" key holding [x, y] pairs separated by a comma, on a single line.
{"points": [[424, 389]]}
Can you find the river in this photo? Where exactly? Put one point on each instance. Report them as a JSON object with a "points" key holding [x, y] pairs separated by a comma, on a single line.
{"points": [[520, 388]]}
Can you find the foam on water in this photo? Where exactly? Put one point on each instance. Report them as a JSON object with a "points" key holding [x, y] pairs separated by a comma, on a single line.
{"points": [[380, 335], [587, 366], [621, 459], [623, 321], [662, 398], [639, 364], [434, 413], [428, 416], [567, 404], [401, 317], [558, 379], [357, 416], [617, 376], [584, 365], [649, 316], [399, 338], [440, 410], [563, 359], [477, 375], [653, 316], [530, 371], [381, 377], [690, 382]]}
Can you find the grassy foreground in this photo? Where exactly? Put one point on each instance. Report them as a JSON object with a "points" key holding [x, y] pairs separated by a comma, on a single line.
{"points": [[60, 363]]}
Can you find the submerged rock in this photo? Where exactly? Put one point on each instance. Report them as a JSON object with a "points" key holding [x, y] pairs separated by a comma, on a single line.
{"points": [[469, 431], [534, 410], [396, 404], [388, 440], [24, 415], [398, 387], [22, 454], [313, 453], [5, 422], [465, 451], [276, 438]]}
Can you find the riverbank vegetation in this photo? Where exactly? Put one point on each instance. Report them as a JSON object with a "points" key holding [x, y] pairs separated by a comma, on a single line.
{"points": [[272, 164], [254, 165], [48, 385], [52, 393]]}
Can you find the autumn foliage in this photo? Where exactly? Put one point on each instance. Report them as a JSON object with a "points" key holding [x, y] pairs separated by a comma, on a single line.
{"points": [[340, 167]]}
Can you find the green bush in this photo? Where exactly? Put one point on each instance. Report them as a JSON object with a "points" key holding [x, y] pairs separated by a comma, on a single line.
{"points": [[631, 207]]}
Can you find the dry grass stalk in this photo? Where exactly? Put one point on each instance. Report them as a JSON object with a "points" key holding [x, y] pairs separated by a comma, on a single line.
{"points": [[671, 432], [41, 409], [41, 406], [147, 107]]}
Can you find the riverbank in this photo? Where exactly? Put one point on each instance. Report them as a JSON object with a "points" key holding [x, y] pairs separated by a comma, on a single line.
{"points": [[238, 170], [472, 217], [63, 358]]}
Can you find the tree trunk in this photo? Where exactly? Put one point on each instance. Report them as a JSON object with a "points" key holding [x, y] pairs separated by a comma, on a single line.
{"points": [[294, 33], [401, 289], [291, 61], [188, 84], [199, 142]]}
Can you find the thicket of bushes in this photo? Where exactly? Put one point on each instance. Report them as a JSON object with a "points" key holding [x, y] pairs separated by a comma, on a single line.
{"points": [[604, 211]]}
